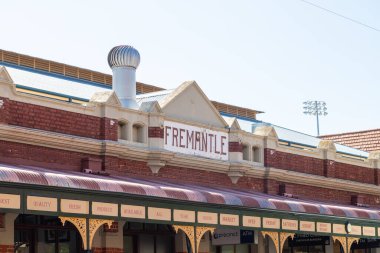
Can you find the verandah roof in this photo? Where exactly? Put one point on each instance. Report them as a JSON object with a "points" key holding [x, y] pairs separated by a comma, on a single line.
{"points": [[183, 192]]}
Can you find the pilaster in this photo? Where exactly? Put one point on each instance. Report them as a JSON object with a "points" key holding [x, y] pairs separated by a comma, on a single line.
{"points": [[109, 240], [328, 150], [7, 243], [374, 159]]}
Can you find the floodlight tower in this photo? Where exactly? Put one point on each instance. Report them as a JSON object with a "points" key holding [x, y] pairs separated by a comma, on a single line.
{"points": [[317, 108]]}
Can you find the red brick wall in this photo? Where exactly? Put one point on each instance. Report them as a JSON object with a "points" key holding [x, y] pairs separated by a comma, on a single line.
{"points": [[49, 119], [321, 167], [23, 154], [323, 194], [7, 249], [287, 161], [354, 173], [108, 129], [180, 174], [107, 250], [155, 132], [4, 110], [234, 146]]}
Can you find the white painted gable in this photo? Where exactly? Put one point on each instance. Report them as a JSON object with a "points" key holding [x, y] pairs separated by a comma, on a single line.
{"points": [[189, 103], [4, 75]]}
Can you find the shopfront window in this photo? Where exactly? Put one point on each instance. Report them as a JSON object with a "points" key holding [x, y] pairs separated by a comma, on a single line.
{"points": [[304, 243], [232, 241], [148, 238], [35, 234], [366, 245]]}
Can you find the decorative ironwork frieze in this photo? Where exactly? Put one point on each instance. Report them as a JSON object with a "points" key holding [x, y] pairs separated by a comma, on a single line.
{"points": [[200, 231], [283, 237], [80, 224], [275, 238], [350, 241], [189, 231], [94, 225], [342, 240]]}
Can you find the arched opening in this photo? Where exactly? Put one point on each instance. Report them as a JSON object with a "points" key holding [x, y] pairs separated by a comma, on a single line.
{"points": [[38, 233], [246, 152], [123, 130], [336, 246], [256, 154], [138, 133], [268, 244], [149, 237]]}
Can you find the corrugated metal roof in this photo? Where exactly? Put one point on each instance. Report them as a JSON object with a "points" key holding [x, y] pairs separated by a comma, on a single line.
{"points": [[298, 137], [55, 84], [153, 96], [183, 192]]}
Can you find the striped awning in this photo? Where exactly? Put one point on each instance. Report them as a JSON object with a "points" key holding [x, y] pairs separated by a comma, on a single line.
{"points": [[183, 192]]}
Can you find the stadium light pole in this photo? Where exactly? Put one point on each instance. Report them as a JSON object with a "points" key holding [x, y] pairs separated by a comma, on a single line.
{"points": [[315, 108]]}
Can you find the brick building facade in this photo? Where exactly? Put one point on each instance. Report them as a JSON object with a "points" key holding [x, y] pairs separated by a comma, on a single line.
{"points": [[87, 160]]}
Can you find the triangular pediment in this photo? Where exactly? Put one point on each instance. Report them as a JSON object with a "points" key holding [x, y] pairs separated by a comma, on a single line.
{"points": [[151, 107], [189, 103], [4, 75], [268, 131], [232, 123], [105, 97]]}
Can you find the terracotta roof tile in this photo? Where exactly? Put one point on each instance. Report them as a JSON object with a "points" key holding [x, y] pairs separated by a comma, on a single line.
{"points": [[368, 140]]}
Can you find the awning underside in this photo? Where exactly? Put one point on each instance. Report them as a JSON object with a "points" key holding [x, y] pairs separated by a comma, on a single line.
{"points": [[183, 192]]}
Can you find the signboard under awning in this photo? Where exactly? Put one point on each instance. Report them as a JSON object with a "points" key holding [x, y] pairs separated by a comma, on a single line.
{"points": [[308, 240], [232, 236], [366, 243]]}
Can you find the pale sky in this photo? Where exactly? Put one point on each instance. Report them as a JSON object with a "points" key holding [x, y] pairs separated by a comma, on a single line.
{"points": [[268, 55]]}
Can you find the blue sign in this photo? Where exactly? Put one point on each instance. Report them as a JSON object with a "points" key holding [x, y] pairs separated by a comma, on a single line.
{"points": [[246, 236]]}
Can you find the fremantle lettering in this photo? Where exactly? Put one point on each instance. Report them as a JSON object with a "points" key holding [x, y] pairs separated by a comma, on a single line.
{"points": [[195, 140]]}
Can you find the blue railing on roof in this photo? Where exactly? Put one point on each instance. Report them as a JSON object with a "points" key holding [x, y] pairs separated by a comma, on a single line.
{"points": [[63, 96], [239, 117], [56, 75]]}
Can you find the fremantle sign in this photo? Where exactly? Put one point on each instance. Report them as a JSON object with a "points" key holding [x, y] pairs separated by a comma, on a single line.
{"points": [[197, 141]]}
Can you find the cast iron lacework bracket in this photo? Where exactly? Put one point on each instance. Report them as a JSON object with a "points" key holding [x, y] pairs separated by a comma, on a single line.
{"points": [[283, 237], [189, 231], [350, 241], [94, 225], [200, 231], [342, 240], [81, 225], [275, 238]]}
